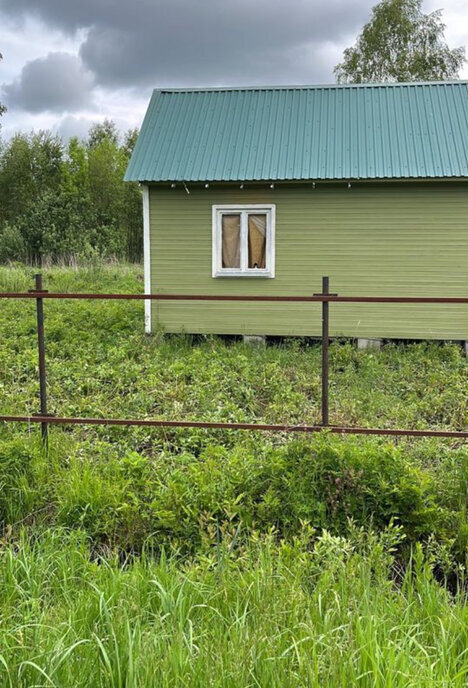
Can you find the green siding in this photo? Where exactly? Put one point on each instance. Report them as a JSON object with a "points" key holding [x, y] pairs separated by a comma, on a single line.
{"points": [[372, 239]]}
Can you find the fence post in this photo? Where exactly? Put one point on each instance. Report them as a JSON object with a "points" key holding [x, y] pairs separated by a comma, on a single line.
{"points": [[41, 352], [325, 342]]}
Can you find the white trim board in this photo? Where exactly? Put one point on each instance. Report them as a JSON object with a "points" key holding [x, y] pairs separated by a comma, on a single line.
{"points": [[146, 255]]}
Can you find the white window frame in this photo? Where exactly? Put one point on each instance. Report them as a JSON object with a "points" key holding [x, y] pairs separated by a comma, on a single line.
{"points": [[268, 209]]}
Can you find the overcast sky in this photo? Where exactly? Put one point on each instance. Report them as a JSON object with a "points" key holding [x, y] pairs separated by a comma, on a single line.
{"points": [[68, 63]]}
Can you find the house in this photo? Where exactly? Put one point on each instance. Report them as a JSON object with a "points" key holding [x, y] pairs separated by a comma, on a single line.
{"points": [[261, 191]]}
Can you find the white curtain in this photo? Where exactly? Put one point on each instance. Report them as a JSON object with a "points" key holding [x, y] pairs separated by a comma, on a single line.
{"points": [[257, 241], [231, 241]]}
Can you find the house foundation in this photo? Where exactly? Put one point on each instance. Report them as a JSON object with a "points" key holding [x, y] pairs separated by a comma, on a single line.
{"points": [[369, 344], [255, 339]]}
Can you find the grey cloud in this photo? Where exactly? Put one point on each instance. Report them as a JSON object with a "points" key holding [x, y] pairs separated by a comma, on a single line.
{"points": [[55, 83], [70, 126], [70, 16], [176, 42]]}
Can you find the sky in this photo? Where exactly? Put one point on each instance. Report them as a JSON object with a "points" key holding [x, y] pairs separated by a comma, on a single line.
{"points": [[69, 63]]}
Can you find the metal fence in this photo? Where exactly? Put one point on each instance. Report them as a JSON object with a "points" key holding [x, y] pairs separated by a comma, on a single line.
{"points": [[324, 298]]}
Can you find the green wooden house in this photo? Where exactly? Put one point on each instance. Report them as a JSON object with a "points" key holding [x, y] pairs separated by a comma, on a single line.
{"points": [[264, 190]]}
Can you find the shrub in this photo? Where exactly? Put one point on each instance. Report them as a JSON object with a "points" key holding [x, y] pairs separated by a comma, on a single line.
{"points": [[12, 244]]}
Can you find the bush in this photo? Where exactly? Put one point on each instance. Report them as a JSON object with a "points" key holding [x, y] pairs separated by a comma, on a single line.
{"points": [[193, 502], [12, 245]]}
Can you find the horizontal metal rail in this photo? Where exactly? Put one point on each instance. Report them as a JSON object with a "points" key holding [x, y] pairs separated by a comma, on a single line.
{"points": [[319, 298], [336, 429], [324, 298]]}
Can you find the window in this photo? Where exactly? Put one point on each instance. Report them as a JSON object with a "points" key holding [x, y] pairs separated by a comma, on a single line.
{"points": [[243, 241]]}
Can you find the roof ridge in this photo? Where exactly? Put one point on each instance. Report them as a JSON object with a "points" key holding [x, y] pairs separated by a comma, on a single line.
{"points": [[307, 87]]}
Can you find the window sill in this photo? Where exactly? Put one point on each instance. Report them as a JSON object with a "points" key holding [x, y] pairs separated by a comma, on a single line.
{"points": [[244, 275]]}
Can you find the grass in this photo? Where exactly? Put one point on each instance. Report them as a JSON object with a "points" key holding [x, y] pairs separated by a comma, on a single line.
{"points": [[157, 557], [276, 615]]}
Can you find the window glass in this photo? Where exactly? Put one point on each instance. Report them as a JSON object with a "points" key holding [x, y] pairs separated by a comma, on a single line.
{"points": [[257, 241], [231, 241]]}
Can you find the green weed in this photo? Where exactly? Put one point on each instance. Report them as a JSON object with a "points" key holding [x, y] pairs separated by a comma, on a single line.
{"points": [[187, 557]]}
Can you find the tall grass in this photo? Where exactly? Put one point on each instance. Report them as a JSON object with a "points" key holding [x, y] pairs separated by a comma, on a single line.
{"points": [[278, 615]]}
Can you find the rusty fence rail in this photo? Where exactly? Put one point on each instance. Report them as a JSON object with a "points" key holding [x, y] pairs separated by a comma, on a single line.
{"points": [[324, 297]]}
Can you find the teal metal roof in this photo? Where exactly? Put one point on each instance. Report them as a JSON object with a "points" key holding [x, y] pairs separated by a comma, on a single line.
{"points": [[385, 131]]}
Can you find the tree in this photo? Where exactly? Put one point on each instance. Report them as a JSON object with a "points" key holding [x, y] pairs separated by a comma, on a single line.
{"points": [[129, 142], [103, 131], [116, 203], [69, 202], [2, 107], [400, 43], [29, 165], [131, 207]]}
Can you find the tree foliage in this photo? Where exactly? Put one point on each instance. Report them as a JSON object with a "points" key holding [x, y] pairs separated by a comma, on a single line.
{"points": [[63, 202], [400, 43], [2, 107]]}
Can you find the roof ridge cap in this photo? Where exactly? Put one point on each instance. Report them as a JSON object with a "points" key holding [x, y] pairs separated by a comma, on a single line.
{"points": [[308, 87]]}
